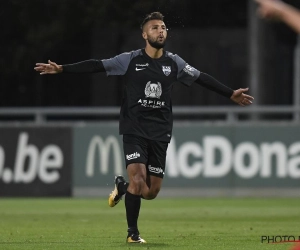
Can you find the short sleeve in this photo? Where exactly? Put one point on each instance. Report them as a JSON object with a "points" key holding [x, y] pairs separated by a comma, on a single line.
{"points": [[186, 73], [118, 65]]}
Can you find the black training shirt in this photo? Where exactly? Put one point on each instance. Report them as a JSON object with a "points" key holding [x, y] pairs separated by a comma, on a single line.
{"points": [[146, 106]]}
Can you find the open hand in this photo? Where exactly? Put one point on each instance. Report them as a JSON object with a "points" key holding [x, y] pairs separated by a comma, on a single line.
{"points": [[48, 68], [240, 98]]}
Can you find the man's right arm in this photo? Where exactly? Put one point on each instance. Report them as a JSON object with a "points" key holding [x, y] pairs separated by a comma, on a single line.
{"points": [[88, 66], [117, 65], [114, 66]]}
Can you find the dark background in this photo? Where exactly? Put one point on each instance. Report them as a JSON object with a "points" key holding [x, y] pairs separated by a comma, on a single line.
{"points": [[211, 35]]}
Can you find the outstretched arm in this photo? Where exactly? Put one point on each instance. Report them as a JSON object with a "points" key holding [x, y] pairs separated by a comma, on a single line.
{"points": [[238, 96], [48, 68], [88, 66], [241, 98], [281, 11]]}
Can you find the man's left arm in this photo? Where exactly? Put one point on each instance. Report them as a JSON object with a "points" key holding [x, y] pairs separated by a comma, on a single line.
{"points": [[188, 74], [238, 96]]}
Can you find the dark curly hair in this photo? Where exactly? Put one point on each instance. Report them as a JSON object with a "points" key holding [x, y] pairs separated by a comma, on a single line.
{"points": [[152, 16]]}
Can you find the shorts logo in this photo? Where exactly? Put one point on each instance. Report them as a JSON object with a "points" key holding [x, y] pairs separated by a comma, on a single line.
{"points": [[155, 170], [133, 156], [166, 70]]}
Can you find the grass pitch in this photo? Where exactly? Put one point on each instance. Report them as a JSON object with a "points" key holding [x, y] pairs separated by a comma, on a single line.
{"points": [[195, 223]]}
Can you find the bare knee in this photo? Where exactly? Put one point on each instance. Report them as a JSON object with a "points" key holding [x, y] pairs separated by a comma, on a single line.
{"points": [[153, 192], [136, 184], [137, 178]]}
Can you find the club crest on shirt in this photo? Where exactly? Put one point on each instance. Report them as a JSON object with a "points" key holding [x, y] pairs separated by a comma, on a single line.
{"points": [[166, 70], [153, 90]]}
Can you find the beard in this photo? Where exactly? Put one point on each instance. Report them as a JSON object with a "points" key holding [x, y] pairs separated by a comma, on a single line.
{"points": [[156, 44]]}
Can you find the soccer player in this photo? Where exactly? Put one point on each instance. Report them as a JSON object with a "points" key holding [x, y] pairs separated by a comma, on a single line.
{"points": [[146, 112], [284, 12]]}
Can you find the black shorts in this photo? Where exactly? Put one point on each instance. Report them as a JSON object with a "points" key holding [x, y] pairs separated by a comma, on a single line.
{"points": [[151, 153]]}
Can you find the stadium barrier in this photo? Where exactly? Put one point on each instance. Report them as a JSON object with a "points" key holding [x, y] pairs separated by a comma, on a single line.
{"points": [[228, 114], [204, 159]]}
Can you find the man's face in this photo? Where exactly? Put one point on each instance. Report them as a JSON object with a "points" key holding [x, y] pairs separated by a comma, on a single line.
{"points": [[155, 32]]}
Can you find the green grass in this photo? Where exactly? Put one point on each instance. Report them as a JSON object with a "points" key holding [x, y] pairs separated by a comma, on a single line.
{"points": [[165, 223]]}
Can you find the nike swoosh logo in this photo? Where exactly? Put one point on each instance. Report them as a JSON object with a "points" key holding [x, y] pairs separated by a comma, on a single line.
{"points": [[138, 69]]}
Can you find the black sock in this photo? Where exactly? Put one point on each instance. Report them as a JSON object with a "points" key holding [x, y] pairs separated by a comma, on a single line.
{"points": [[122, 187], [133, 205]]}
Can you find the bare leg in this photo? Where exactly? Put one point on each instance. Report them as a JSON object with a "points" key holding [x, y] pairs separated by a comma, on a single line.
{"points": [[140, 184]]}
